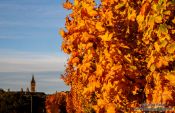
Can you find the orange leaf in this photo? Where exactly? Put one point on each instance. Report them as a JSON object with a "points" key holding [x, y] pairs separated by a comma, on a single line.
{"points": [[67, 5]]}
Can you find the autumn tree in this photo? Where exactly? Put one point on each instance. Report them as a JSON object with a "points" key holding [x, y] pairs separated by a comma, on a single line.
{"points": [[121, 54], [56, 103]]}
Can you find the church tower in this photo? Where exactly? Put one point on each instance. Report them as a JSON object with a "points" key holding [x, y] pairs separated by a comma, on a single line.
{"points": [[33, 84]]}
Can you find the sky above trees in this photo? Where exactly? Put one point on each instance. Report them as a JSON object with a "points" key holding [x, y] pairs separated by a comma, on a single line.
{"points": [[29, 39]]}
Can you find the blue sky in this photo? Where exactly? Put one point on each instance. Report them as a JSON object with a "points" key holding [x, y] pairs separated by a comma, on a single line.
{"points": [[30, 43], [28, 25]]}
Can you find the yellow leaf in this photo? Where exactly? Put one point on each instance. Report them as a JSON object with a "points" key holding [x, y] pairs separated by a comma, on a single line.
{"points": [[163, 43], [164, 61], [111, 108], [162, 29], [173, 20], [171, 78], [90, 9], [120, 5], [76, 2], [86, 36], [171, 48], [101, 102], [124, 46], [151, 60], [144, 8], [167, 12], [99, 26], [133, 67], [173, 31], [158, 19], [92, 12], [75, 60], [119, 52], [67, 5], [127, 58], [156, 46], [107, 36], [107, 55], [116, 67], [159, 64], [140, 18], [151, 22], [62, 33], [131, 14], [152, 68], [136, 89], [99, 70], [89, 45], [166, 95]]}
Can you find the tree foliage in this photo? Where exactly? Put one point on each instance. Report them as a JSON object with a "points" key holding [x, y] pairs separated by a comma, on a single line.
{"points": [[56, 103], [122, 54]]}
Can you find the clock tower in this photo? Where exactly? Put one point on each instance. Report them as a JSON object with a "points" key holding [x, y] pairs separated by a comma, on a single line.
{"points": [[33, 84]]}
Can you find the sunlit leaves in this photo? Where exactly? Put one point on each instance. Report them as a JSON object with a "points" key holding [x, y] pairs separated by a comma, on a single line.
{"points": [[144, 8], [127, 58], [89, 9], [111, 108], [107, 36], [55, 101], [122, 54], [151, 60], [171, 48], [99, 26], [158, 19], [156, 46], [140, 20], [171, 78], [131, 14], [68, 5]]}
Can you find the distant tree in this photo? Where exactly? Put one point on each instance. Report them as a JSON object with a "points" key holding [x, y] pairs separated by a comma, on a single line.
{"points": [[56, 103], [122, 54], [15, 102]]}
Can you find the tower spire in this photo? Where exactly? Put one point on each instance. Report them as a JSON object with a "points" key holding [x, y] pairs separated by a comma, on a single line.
{"points": [[33, 84], [33, 79]]}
